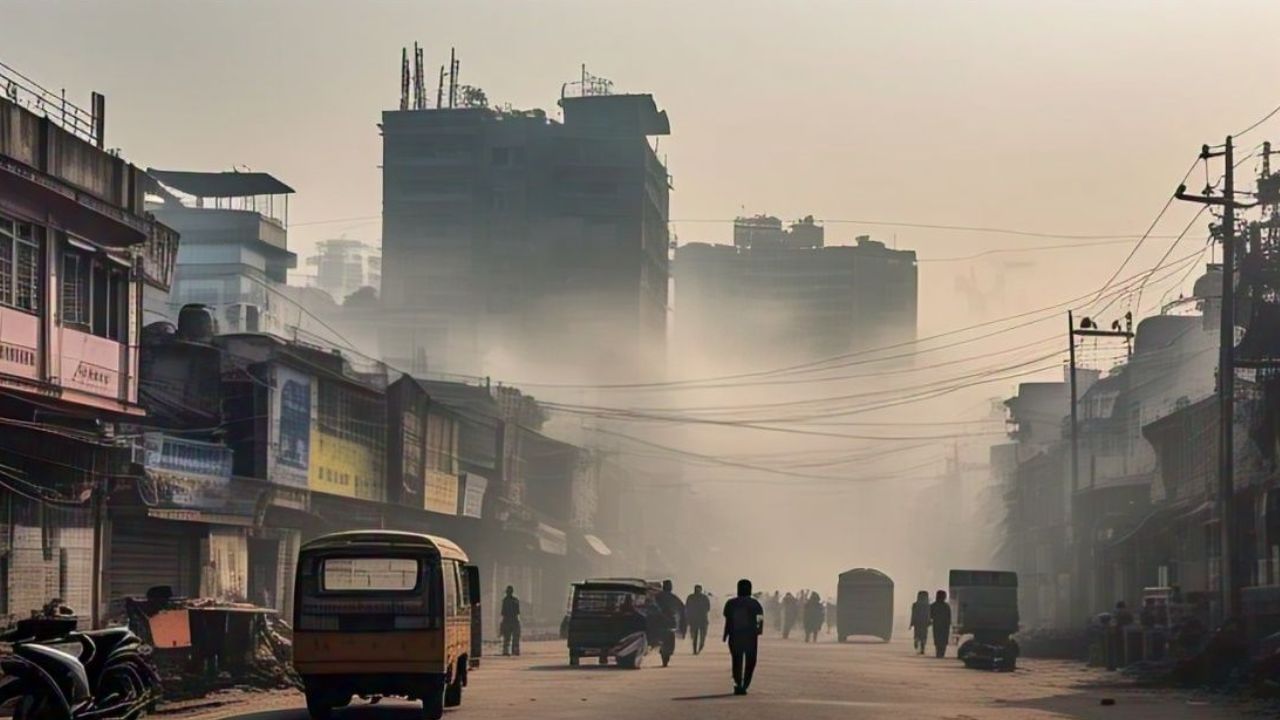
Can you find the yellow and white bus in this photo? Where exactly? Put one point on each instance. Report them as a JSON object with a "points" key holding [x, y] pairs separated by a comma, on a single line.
{"points": [[385, 613]]}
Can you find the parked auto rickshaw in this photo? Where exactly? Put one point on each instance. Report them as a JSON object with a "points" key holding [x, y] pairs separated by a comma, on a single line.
{"points": [[613, 618], [984, 604], [864, 604]]}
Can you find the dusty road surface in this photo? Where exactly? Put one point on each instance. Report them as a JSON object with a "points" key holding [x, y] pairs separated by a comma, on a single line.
{"points": [[793, 681]]}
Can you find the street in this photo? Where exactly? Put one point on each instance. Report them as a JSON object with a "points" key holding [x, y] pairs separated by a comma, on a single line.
{"points": [[827, 680]]}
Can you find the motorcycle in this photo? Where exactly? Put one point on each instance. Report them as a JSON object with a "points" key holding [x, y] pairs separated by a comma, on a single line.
{"points": [[105, 676]]}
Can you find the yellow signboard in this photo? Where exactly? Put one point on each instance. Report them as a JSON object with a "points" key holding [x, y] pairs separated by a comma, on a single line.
{"points": [[343, 467], [442, 492]]}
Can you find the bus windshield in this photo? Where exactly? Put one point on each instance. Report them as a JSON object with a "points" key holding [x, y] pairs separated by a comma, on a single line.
{"points": [[370, 574]]}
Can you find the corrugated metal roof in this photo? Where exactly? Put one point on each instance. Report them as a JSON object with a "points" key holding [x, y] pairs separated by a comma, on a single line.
{"points": [[221, 184]]}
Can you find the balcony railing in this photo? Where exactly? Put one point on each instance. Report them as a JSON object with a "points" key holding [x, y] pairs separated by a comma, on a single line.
{"points": [[38, 99]]}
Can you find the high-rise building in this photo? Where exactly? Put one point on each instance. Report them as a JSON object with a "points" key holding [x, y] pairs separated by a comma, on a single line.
{"points": [[344, 266], [783, 294], [514, 241]]}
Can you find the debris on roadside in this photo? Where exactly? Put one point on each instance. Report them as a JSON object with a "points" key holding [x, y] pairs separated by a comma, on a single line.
{"points": [[200, 645]]}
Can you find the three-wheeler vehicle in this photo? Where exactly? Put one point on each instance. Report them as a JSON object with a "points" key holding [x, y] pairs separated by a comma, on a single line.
{"points": [[984, 604], [381, 613], [613, 618]]}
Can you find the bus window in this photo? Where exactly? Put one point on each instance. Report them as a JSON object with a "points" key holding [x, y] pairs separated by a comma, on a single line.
{"points": [[450, 571], [355, 574]]}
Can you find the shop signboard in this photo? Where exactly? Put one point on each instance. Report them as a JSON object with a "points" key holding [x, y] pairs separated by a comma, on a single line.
{"points": [[291, 405], [187, 474], [442, 492]]}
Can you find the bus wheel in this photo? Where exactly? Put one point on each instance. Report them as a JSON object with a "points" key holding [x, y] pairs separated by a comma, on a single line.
{"points": [[319, 706], [453, 692], [433, 703], [574, 658]]}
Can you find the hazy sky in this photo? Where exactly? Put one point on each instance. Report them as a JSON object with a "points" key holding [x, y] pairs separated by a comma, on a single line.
{"points": [[1057, 117], [1066, 117]]}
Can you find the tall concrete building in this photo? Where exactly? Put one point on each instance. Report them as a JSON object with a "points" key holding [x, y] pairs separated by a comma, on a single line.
{"points": [[513, 241], [344, 266], [784, 294]]}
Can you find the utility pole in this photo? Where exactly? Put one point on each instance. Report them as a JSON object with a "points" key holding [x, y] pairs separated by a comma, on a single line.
{"points": [[1075, 422], [1228, 569], [1088, 328]]}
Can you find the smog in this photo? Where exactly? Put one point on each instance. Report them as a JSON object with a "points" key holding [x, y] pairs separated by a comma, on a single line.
{"points": [[414, 352]]}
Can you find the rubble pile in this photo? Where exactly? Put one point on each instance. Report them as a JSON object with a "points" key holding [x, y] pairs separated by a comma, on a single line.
{"points": [[200, 645]]}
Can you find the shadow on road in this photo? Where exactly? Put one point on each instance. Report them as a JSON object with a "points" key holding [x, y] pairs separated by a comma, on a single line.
{"points": [[581, 668], [358, 711], [696, 698]]}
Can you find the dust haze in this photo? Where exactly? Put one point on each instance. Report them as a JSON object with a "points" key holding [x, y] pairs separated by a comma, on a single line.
{"points": [[830, 109]]}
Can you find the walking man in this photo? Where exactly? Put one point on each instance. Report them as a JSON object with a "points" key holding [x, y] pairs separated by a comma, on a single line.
{"points": [[920, 621], [813, 617], [940, 616], [509, 626], [790, 608], [697, 613], [673, 615], [743, 623]]}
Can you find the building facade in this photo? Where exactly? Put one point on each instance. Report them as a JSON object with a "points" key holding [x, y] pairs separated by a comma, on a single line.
{"points": [[779, 295], [511, 238], [343, 266], [235, 256], [77, 252]]}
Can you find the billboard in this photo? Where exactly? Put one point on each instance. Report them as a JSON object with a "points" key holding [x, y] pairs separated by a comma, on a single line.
{"points": [[345, 467], [181, 473], [291, 410], [406, 442], [473, 489], [442, 492]]}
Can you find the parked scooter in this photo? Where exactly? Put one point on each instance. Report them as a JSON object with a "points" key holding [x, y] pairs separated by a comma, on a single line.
{"points": [[105, 675]]}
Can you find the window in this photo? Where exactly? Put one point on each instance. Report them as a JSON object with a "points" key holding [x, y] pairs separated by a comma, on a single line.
{"points": [[450, 571], [20, 244], [95, 294], [75, 289], [440, 441], [369, 573]]}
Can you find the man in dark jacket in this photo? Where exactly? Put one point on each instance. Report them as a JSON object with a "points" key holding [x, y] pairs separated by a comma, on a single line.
{"points": [[920, 620], [673, 614], [743, 623], [509, 625], [940, 617], [697, 612]]}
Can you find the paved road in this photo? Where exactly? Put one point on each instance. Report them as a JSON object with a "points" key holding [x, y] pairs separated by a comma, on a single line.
{"points": [[794, 680]]}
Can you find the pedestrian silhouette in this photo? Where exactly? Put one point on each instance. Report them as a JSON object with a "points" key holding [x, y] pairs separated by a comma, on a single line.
{"points": [[697, 613], [509, 625], [920, 621], [743, 623], [814, 614], [790, 606], [673, 617], [940, 616]]}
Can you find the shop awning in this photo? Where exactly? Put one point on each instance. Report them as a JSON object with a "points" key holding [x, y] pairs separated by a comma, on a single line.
{"points": [[552, 541], [597, 544]]}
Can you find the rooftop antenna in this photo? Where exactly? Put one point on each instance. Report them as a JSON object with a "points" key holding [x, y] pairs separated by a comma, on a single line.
{"points": [[440, 89], [419, 85], [454, 66], [404, 78]]}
